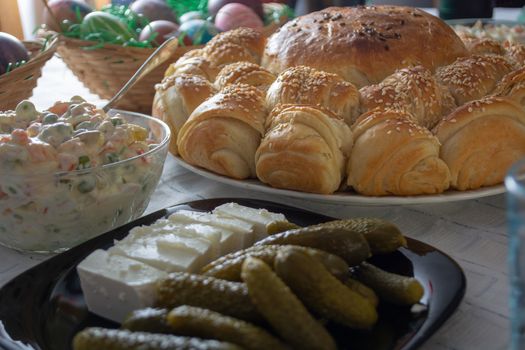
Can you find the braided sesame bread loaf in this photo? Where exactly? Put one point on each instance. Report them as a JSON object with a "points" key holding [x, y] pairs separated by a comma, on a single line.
{"points": [[363, 45], [305, 149], [480, 140], [223, 133], [393, 155]]}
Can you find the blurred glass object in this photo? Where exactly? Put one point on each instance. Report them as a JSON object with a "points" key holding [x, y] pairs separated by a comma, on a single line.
{"points": [[451, 9], [515, 183]]}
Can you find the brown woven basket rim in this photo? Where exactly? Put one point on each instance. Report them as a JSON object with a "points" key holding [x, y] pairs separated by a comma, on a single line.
{"points": [[36, 61]]}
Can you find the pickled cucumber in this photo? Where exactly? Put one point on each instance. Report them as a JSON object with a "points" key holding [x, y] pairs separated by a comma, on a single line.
{"points": [[365, 291], [322, 292], [147, 320], [390, 287], [333, 237], [118, 339], [197, 322], [229, 267], [229, 298], [382, 236], [281, 308]]}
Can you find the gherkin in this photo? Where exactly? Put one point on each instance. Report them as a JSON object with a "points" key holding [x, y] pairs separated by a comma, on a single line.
{"points": [[117, 339], [390, 287], [229, 267], [323, 293], [334, 237], [228, 298], [282, 309], [197, 322]]}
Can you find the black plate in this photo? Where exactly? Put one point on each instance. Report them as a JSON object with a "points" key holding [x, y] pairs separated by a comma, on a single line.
{"points": [[44, 306]]}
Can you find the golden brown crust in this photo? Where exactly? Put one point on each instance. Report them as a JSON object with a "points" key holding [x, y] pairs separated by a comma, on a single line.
{"points": [[193, 62], [245, 73], [512, 86], [305, 85], [223, 134], [393, 155], [305, 149], [481, 46], [412, 90], [480, 140], [241, 44], [515, 52], [363, 44], [177, 97], [471, 78]]}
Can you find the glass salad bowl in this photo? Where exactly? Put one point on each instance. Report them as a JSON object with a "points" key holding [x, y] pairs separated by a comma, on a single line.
{"points": [[51, 211]]}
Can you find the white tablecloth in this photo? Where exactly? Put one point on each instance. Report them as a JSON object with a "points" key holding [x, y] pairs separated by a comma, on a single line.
{"points": [[472, 232]]}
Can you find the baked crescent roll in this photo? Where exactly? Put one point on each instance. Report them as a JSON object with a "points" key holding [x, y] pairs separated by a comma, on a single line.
{"points": [[482, 46], [515, 52], [304, 149], [474, 77], [223, 134], [512, 86], [412, 90], [176, 98], [481, 140], [305, 85], [245, 73], [193, 62], [241, 44], [393, 155]]}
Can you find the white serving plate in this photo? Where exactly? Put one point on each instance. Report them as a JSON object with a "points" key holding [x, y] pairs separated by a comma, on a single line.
{"points": [[349, 198]]}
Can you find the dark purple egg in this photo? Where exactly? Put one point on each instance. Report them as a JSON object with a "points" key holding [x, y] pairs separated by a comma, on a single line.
{"points": [[153, 10], [11, 51], [215, 5], [71, 10], [164, 30]]}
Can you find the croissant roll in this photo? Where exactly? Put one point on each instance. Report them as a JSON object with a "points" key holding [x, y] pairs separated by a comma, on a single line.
{"points": [[193, 62], [412, 90], [241, 44], [304, 149], [515, 52], [472, 78], [393, 155], [223, 134], [512, 86], [245, 73], [481, 140], [176, 98], [483, 46], [305, 85]]}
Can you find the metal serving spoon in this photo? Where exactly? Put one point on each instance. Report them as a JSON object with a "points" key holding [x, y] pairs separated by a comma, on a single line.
{"points": [[159, 56]]}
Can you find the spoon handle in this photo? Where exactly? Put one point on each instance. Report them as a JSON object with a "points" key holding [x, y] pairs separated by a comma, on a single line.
{"points": [[159, 56]]}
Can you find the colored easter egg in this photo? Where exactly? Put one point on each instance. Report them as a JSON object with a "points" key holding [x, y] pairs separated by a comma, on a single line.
{"points": [[236, 15], [162, 29], [199, 30], [215, 5], [106, 26], [191, 15], [72, 11], [153, 10]]}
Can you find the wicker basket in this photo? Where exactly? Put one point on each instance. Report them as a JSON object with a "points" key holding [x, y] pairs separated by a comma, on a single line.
{"points": [[18, 84], [105, 70]]}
